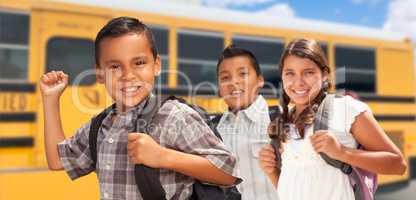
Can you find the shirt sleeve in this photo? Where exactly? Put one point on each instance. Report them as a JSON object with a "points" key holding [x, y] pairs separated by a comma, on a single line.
{"points": [[354, 108], [188, 132], [75, 154]]}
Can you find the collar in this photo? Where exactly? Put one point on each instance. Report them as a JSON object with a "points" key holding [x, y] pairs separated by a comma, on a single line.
{"points": [[129, 114], [257, 112]]}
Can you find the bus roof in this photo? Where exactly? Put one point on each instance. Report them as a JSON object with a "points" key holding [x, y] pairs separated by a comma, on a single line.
{"points": [[238, 17]]}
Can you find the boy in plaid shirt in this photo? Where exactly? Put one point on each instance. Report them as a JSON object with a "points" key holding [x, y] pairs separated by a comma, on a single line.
{"points": [[181, 144]]}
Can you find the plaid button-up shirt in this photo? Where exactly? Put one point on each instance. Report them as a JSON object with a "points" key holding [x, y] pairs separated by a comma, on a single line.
{"points": [[175, 126]]}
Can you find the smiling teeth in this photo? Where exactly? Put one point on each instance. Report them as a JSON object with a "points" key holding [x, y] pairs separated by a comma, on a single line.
{"points": [[236, 92], [130, 89], [300, 92]]}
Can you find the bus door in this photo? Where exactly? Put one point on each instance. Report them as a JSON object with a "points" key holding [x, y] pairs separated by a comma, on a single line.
{"points": [[67, 44]]}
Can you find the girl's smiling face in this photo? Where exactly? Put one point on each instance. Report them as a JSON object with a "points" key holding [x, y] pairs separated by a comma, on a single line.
{"points": [[302, 80]]}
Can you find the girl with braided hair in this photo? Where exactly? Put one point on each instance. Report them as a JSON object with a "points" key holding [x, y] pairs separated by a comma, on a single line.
{"points": [[301, 173]]}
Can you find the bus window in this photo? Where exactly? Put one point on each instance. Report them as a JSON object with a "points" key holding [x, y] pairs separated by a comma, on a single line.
{"points": [[14, 39], [268, 52], [355, 69], [73, 56], [162, 43], [198, 53]]}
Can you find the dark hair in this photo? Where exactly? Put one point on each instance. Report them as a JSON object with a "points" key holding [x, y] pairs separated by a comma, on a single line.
{"points": [[234, 51], [120, 26], [303, 48]]}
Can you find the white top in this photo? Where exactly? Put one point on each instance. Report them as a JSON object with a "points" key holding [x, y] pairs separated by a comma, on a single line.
{"points": [[304, 174], [244, 134]]}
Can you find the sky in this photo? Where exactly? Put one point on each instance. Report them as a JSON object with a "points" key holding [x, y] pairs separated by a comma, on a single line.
{"points": [[394, 15]]}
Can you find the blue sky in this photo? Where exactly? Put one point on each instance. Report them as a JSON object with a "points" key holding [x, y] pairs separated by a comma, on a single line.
{"points": [[360, 12], [391, 15], [345, 11]]}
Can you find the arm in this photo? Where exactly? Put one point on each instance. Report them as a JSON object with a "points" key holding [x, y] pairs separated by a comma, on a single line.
{"points": [[156, 156], [380, 154], [268, 164], [52, 85]]}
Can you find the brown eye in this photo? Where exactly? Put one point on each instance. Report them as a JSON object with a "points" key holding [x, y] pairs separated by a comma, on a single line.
{"points": [[225, 78], [309, 73], [114, 67], [289, 73], [140, 62]]}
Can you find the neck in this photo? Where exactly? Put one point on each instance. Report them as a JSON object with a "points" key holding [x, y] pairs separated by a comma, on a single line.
{"points": [[299, 109], [235, 111], [121, 108]]}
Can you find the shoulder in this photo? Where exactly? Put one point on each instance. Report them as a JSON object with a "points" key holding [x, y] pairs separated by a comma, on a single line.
{"points": [[178, 110], [174, 106], [346, 111], [350, 105], [84, 129]]}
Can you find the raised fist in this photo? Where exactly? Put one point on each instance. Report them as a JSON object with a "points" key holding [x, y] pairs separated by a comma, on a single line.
{"points": [[53, 83]]}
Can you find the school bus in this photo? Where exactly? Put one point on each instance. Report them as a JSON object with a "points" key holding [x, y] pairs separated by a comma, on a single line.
{"points": [[38, 36]]}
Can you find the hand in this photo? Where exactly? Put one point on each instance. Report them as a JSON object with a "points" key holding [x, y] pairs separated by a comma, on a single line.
{"points": [[142, 149], [267, 160], [324, 141], [53, 83]]}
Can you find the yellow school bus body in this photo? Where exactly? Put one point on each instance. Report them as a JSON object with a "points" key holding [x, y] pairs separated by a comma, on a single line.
{"points": [[23, 168]]}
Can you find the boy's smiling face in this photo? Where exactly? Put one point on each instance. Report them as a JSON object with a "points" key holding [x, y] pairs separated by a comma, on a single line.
{"points": [[127, 68], [238, 82]]}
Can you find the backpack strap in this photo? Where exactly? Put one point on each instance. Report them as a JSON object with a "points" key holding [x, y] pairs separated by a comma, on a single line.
{"points": [[274, 112], [147, 179], [93, 134], [213, 124], [325, 110]]}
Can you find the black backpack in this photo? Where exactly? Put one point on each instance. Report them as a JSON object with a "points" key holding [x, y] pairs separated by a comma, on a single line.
{"points": [[147, 179]]}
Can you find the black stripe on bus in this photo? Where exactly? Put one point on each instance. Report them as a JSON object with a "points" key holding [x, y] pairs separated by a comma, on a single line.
{"points": [[268, 93], [392, 99], [16, 142], [392, 186], [18, 117], [205, 91], [17, 87], [395, 117]]}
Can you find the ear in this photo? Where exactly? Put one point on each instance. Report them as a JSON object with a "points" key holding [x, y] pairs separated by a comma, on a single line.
{"points": [[99, 74], [325, 76], [157, 66], [260, 82], [219, 91]]}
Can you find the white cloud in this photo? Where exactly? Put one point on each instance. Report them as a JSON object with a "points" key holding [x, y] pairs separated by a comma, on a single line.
{"points": [[228, 3], [401, 17], [276, 9], [280, 9]]}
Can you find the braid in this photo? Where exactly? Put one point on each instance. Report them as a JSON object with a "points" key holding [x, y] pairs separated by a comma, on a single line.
{"points": [[307, 116]]}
